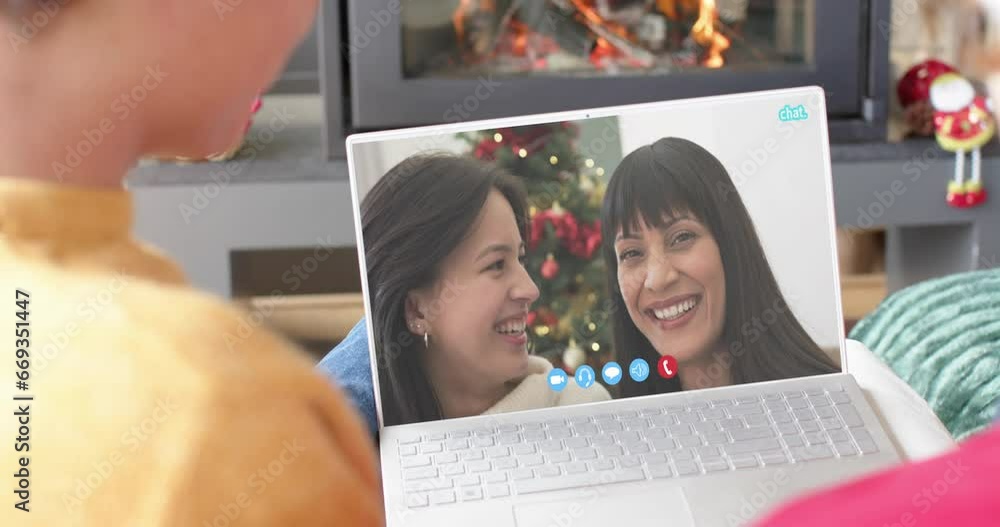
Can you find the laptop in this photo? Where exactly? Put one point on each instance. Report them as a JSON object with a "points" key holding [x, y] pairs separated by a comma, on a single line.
{"points": [[645, 446]]}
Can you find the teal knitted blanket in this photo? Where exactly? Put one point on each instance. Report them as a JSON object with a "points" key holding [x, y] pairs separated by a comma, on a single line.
{"points": [[942, 337]]}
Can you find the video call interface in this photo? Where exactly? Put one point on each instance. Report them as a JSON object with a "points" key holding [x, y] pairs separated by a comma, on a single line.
{"points": [[571, 262]]}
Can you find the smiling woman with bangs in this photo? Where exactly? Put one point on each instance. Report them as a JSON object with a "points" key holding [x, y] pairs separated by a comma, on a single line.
{"points": [[688, 276]]}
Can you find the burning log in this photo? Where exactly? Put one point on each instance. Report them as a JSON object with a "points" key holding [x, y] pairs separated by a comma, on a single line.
{"points": [[558, 21], [607, 32]]}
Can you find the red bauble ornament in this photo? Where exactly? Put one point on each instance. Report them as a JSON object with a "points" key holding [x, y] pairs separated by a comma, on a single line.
{"points": [[915, 85], [550, 268]]}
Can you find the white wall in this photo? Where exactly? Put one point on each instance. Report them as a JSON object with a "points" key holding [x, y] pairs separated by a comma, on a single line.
{"points": [[372, 160], [784, 191]]}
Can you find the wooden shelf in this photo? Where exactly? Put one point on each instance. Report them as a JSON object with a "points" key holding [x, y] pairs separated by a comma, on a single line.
{"points": [[327, 317], [862, 293]]}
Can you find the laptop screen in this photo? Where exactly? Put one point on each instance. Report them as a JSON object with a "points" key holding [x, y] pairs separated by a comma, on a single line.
{"points": [[548, 261]]}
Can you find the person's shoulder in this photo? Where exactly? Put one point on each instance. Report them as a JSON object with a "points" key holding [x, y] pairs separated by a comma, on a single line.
{"points": [[348, 365], [113, 314], [350, 356], [152, 372]]}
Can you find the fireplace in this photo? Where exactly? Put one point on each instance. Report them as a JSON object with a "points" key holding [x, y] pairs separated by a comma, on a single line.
{"points": [[605, 38], [416, 62]]}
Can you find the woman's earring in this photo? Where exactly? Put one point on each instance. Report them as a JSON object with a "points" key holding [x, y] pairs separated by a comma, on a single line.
{"points": [[426, 339]]}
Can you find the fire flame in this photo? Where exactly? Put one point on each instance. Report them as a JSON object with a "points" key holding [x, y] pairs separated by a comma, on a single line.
{"points": [[590, 12], [704, 33], [458, 18], [704, 30]]}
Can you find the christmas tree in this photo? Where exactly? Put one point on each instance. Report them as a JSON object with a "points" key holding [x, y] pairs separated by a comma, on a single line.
{"points": [[568, 324]]}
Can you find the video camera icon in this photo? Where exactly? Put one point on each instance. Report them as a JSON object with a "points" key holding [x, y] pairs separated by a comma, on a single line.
{"points": [[558, 379]]}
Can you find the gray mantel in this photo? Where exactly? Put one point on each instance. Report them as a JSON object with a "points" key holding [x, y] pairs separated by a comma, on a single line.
{"points": [[901, 187], [198, 215]]}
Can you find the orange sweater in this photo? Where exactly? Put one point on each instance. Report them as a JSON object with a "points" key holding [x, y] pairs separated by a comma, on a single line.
{"points": [[154, 405]]}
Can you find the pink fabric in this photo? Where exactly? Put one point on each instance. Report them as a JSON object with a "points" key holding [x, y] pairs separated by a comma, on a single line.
{"points": [[961, 488]]}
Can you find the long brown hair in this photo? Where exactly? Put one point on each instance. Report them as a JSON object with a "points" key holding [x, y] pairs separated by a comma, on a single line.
{"points": [[412, 219], [674, 176]]}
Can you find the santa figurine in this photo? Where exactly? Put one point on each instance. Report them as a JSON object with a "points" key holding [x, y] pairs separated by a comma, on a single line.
{"points": [[963, 122]]}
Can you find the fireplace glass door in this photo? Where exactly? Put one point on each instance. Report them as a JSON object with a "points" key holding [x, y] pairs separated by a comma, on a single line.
{"points": [[418, 62], [591, 38]]}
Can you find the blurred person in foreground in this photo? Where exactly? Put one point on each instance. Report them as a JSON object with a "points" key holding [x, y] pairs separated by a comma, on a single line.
{"points": [[153, 404]]}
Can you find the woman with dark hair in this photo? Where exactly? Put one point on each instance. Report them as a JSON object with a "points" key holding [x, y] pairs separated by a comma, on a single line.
{"points": [[449, 294], [688, 277]]}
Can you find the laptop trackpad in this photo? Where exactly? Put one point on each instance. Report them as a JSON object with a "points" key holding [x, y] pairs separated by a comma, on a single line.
{"points": [[663, 507]]}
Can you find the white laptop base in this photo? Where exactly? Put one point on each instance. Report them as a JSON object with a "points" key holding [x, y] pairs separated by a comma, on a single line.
{"points": [[721, 456]]}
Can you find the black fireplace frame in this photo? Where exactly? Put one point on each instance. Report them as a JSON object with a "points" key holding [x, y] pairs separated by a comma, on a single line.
{"points": [[380, 97]]}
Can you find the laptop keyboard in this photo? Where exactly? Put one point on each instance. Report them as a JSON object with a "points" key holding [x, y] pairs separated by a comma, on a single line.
{"points": [[656, 442]]}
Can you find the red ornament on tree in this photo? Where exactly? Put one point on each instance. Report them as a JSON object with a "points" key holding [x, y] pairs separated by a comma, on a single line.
{"points": [[567, 228], [538, 222], [486, 149], [550, 268], [592, 239]]}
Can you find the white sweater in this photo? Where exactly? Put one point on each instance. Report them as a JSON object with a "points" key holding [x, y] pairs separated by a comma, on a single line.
{"points": [[533, 391]]}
